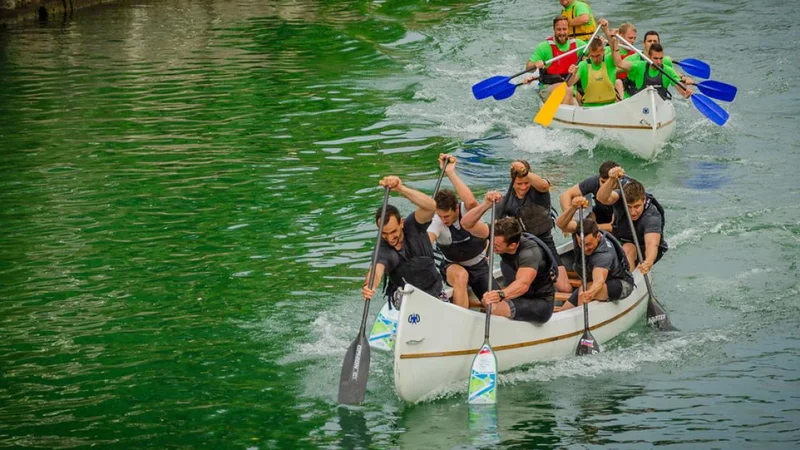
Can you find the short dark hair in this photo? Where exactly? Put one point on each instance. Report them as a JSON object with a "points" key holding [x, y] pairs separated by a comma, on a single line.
{"points": [[509, 228], [655, 48], [652, 33], [391, 211], [559, 19], [515, 174], [596, 43], [589, 228], [605, 167], [446, 200], [633, 191]]}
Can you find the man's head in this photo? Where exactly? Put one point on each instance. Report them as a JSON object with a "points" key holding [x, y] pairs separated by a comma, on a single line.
{"points": [[392, 231], [604, 168], [628, 32], [561, 29], [521, 183], [507, 233], [591, 235], [656, 53], [650, 38], [635, 196], [446, 206], [565, 3], [597, 51]]}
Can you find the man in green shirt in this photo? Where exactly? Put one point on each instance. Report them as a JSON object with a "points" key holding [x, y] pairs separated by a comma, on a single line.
{"points": [[597, 75], [643, 74], [581, 19], [555, 45]]}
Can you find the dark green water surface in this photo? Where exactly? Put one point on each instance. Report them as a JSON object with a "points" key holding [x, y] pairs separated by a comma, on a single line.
{"points": [[186, 200]]}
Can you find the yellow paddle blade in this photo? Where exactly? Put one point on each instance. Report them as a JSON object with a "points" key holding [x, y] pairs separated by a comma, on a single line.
{"points": [[548, 110]]}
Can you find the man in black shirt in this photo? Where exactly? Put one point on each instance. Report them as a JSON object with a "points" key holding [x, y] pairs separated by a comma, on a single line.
{"points": [[528, 271], [603, 213], [405, 252], [646, 213], [607, 272]]}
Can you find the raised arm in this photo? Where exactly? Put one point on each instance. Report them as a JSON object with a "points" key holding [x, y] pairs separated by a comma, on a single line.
{"points": [[623, 64], [538, 183], [564, 221], [426, 206], [471, 219], [607, 194], [463, 191]]}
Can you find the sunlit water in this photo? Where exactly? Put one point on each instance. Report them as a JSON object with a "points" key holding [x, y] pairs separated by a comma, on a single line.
{"points": [[187, 194]]}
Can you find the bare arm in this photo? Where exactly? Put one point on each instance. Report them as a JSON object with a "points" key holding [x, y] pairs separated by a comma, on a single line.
{"points": [[651, 242], [606, 194], [366, 292], [463, 191], [583, 19], [599, 276], [473, 217], [521, 284], [538, 183], [565, 199]]}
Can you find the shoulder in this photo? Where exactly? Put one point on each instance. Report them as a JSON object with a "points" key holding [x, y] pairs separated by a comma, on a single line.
{"points": [[590, 184]]}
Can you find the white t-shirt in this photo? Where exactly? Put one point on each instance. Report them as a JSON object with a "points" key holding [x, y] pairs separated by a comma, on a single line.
{"points": [[443, 236]]}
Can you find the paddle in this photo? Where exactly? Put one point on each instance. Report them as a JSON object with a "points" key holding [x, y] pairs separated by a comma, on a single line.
{"points": [[483, 374], [587, 345], [695, 67], [656, 316], [355, 369], [497, 83], [450, 159], [705, 105], [507, 89], [548, 110]]}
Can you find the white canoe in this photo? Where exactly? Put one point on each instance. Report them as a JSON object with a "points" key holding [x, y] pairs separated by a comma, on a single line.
{"points": [[436, 341], [642, 123]]}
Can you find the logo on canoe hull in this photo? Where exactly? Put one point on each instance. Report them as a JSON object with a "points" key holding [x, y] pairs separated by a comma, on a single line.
{"points": [[645, 110], [414, 319]]}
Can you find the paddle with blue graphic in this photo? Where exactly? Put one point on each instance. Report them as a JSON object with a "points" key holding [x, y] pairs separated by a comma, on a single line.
{"points": [[500, 87], [656, 316], [695, 67], [355, 369], [588, 344], [482, 388], [704, 104]]}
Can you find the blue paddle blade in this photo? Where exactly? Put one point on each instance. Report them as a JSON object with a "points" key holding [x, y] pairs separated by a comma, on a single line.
{"points": [[695, 67], [504, 91], [488, 86], [708, 108], [718, 90]]}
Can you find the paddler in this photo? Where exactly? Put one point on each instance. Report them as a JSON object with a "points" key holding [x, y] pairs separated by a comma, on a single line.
{"points": [[581, 19], [405, 254], [463, 247], [597, 75], [554, 46]]}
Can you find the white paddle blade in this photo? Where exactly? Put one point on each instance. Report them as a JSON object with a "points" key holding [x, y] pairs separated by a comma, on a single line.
{"points": [[483, 378], [384, 329]]}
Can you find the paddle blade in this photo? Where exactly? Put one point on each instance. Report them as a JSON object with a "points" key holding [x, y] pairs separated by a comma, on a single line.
{"points": [[488, 86], [695, 67], [483, 377], [504, 91], [717, 89], [384, 329], [546, 113], [657, 317], [587, 345], [355, 371], [708, 108]]}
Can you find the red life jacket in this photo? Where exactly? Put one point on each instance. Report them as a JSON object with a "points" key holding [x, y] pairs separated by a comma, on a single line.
{"points": [[624, 75], [561, 67]]}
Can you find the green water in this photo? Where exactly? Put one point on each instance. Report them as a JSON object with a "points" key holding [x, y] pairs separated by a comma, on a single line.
{"points": [[186, 194]]}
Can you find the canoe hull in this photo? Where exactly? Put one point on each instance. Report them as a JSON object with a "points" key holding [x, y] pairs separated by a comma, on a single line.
{"points": [[436, 341], [642, 124]]}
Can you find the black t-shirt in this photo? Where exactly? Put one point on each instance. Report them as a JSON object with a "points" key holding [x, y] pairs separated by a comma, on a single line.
{"points": [[604, 257], [590, 186], [649, 222], [530, 255], [415, 243]]}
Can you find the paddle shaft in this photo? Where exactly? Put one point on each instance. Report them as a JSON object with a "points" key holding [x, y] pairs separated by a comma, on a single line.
{"points": [[552, 60], [678, 83], [441, 175], [583, 271], [374, 262], [491, 275]]}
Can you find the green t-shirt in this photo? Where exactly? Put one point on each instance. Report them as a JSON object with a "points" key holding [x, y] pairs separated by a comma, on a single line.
{"points": [[543, 51], [637, 58], [637, 74], [580, 9]]}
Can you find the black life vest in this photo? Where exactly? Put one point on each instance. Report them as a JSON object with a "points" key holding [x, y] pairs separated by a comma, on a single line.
{"points": [[622, 229], [464, 245], [534, 218], [621, 256]]}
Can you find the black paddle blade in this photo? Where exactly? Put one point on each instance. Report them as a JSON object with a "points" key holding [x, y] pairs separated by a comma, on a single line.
{"points": [[587, 345], [657, 317], [355, 371]]}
